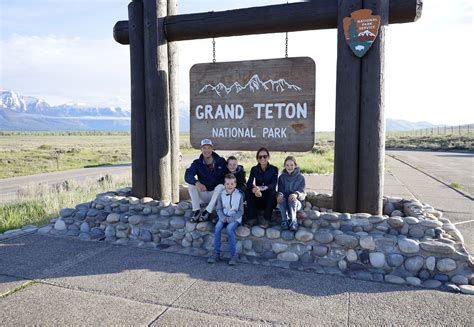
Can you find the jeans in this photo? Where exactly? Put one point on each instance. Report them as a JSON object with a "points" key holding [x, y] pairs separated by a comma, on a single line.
{"points": [[288, 210], [230, 234]]}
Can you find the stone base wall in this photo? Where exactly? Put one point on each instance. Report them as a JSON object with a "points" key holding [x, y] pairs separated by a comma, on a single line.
{"points": [[410, 244]]}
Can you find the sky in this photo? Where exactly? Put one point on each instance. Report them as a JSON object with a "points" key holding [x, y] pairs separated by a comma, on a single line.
{"points": [[63, 51]]}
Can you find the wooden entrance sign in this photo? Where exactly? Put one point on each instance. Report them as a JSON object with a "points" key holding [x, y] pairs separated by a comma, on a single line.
{"points": [[245, 105], [360, 130]]}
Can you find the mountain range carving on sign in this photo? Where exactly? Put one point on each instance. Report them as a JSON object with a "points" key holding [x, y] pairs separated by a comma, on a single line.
{"points": [[255, 84]]}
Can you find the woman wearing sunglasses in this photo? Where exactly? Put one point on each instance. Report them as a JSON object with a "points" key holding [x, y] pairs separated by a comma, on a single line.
{"points": [[261, 189]]}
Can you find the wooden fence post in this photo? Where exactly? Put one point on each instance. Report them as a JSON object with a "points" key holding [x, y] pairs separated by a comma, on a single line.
{"points": [[157, 101], [174, 107], [137, 78], [372, 121], [346, 146]]}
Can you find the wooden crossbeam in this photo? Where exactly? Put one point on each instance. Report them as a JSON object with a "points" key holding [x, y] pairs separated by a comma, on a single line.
{"points": [[301, 16]]}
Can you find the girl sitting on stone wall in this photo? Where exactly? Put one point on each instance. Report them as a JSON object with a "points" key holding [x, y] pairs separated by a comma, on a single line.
{"points": [[291, 184]]}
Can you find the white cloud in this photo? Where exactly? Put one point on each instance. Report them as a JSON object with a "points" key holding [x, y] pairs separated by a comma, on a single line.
{"points": [[61, 69], [429, 66]]}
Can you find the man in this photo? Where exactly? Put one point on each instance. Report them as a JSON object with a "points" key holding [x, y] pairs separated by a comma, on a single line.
{"points": [[208, 169]]}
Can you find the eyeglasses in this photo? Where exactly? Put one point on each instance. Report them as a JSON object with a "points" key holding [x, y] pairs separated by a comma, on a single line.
{"points": [[263, 157]]}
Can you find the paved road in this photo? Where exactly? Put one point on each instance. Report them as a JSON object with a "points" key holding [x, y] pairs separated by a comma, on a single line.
{"points": [[450, 167], [402, 180], [95, 283], [9, 187]]}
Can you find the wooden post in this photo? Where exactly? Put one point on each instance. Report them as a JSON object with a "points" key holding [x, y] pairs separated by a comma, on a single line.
{"points": [[346, 147], [157, 108], [137, 78], [372, 120], [174, 107]]}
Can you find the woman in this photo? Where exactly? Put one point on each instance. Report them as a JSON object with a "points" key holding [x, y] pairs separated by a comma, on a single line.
{"points": [[291, 192], [261, 189]]}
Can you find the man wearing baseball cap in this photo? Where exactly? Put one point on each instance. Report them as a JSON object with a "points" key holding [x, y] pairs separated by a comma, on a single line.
{"points": [[205, 180]]}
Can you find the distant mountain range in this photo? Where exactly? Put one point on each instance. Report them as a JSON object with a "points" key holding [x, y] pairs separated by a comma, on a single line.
{"points": [[253, 85], [25, 113], [392, 125], [19, 112]]}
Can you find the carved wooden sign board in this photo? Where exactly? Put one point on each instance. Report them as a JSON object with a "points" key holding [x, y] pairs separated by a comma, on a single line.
{"points": [[245, 105]]}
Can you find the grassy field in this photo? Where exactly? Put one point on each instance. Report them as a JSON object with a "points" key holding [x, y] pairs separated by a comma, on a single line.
{"points": [[39, 204], [431, 142], [28, 153], [24, 153]]}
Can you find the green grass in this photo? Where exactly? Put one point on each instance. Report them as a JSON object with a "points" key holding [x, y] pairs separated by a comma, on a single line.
{"points": [[28, 153], [37, 205], [432, 142], [23, 153], [18, 288], [458, 186]]}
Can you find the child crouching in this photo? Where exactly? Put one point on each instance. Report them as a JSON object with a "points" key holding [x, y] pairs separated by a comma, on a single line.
{"points": [[230, 208]]}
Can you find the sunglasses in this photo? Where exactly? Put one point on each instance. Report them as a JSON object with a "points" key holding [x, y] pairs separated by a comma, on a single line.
{"points": [[263, 157]]}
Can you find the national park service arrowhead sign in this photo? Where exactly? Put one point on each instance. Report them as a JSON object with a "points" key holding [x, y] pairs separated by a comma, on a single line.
{"points": [[360, 30], [245, 105]]}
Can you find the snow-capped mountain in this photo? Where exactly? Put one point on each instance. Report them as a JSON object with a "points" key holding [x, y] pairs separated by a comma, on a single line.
{"points": [[366, 33], [25, 113], [254, 84], [10, 100], [19, 112]]}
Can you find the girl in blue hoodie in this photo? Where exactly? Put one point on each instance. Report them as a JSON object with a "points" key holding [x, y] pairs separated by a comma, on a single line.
{"points": [[291, 193]]}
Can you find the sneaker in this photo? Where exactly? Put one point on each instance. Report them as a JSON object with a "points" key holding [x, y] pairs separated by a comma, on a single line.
{"points": [[213, 259], [233, 260], [249, 222], [263, 223], [204, 216], [294, 227], [195, 217]]}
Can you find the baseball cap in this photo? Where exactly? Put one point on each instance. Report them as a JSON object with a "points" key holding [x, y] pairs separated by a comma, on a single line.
{"points": [[206, 142]]}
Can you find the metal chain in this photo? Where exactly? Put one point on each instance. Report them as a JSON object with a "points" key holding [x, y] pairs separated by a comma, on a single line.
{"points": [[213, 51], [286, 42]]}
